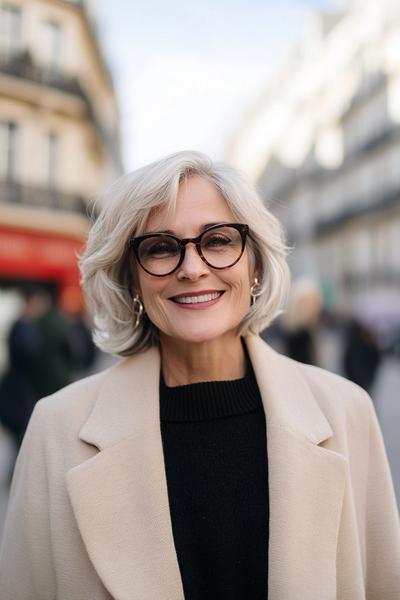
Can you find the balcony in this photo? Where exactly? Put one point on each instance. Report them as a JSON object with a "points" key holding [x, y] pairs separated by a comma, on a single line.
{"points": [[370, 85], [387, 200], [22, 66], [17, 194], [322, 176]]}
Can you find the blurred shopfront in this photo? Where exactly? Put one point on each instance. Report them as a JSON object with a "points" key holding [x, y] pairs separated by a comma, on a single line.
{"points": [[59, 147], [45, 258]]}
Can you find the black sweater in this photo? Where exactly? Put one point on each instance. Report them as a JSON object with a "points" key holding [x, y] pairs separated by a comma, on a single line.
{"points": [[214, 441]]}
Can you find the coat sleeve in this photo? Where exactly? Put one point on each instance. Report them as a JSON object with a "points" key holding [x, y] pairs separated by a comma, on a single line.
{"points": [[382, 522], [26, 569]]}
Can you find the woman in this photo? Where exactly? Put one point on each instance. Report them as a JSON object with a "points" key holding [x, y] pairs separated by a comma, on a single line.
{"points": [[151, 480], [300, 324]]}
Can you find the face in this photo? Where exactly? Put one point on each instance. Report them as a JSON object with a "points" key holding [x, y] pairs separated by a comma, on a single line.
{"points": [[222, 296]]}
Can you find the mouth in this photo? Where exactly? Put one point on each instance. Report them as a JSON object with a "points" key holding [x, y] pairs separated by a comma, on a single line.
{"points": [[205, 297]]}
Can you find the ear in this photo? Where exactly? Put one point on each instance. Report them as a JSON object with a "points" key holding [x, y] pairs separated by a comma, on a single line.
{"points": [[135, 291], [256, 273], [255, 264], [134, 283]]}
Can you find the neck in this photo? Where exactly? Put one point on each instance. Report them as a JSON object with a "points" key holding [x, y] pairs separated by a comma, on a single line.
{"points": [[217, 360]]}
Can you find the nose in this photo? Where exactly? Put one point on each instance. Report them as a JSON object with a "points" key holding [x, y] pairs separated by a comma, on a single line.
{"points": [[192, 267]]}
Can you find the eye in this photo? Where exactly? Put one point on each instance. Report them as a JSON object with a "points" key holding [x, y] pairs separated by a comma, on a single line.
{"points": [[159, 248], [216, 240]]}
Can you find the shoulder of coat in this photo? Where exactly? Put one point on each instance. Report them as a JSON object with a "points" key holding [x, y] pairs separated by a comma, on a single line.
{"points": [[76, 398], [335, 389]]}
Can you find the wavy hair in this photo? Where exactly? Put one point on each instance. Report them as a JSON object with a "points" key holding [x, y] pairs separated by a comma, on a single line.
{"points": [[109, 274]]}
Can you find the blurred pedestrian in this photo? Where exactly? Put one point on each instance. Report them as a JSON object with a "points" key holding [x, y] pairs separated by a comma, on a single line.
{"points": [[84, 349], [56, 360], [80, 326], [361, 354], [299, 324], [18, 390]]}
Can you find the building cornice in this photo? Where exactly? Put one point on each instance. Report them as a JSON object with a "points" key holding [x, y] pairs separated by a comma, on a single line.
{"points": [[79, 7], [31, 219]]}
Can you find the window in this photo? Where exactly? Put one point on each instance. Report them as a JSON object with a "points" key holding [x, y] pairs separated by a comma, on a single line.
{"points": [[50, 156], [10, 30], [50, 45], [8, 149]]}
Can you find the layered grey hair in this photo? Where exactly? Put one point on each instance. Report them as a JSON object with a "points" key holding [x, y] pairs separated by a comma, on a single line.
{"points": [[108, 267]]}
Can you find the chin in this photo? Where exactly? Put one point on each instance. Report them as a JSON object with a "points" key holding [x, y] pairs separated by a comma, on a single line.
{"points": [[201, 334]]}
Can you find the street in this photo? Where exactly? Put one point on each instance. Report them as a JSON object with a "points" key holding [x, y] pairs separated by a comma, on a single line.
{"points": [[386, 395]]}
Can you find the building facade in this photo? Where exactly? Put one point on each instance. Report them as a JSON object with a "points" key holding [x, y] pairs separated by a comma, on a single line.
{"points": [[323, 145], [59, 141]]}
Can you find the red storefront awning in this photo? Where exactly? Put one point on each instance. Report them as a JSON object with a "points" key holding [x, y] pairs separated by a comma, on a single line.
{"points": [[42, 256]]}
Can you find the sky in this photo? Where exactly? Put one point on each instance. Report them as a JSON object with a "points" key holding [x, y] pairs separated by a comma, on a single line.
{"points": [[186, 72]]}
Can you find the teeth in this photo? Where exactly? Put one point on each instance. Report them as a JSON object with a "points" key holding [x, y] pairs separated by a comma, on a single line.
{"points": [[196, 299]]}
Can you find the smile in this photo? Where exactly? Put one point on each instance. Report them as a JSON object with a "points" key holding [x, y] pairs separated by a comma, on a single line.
{"points": [[197, 299]]}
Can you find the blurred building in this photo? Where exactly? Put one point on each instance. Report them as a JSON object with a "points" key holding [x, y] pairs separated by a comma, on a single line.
{"points": [[323, 145], [58, 138]]}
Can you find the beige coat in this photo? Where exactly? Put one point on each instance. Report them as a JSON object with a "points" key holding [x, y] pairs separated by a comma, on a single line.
{"points": [[89, 516]]}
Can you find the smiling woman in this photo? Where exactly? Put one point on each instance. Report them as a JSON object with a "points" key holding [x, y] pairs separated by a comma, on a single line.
{"points": [[203, 465], [182, 196]]}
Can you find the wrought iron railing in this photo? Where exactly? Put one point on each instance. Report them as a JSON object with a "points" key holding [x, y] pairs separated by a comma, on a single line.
{"points": [[384, 201], [18, 194], [21, 65]]}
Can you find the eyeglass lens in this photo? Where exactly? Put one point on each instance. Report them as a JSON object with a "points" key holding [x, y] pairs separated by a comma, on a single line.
{"points": [[220, 248]]}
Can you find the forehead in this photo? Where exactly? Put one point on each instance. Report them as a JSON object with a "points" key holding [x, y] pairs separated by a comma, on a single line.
{"points": [[198, 202]]}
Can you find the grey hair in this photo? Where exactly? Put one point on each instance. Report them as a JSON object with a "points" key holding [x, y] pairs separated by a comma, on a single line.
{"points": [[108, 277]]}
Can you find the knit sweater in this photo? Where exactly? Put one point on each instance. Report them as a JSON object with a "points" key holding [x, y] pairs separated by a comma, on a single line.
{"points": [[214, 442]]}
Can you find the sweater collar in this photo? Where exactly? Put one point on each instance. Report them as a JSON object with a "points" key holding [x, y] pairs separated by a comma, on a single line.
{"points": [[210, 399]]}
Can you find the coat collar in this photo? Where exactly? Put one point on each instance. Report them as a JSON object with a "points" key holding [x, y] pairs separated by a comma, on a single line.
{"points": [[120, 496], [127, 402], [284, 390]]}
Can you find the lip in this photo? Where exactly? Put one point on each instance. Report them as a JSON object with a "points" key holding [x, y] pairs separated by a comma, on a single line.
{"points": [[196, 293], [198, 305]]}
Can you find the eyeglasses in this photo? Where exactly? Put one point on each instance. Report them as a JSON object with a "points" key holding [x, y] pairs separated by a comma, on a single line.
{"points": [[219, 246]]}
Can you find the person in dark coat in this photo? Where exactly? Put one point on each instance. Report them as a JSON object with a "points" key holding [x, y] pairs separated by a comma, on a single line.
{"points": [[361, 355], [18, 393], [56, 359]]}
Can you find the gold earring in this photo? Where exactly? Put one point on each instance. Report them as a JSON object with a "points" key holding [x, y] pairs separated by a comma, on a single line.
{"points": [[255, 290], [138, 309]]}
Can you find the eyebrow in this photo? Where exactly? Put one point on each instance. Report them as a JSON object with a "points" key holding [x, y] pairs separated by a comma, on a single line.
{"points": [[201, 229]]}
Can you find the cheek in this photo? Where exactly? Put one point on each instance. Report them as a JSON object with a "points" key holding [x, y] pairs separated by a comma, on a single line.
{"points": [[240, 286], [240, 278], [155, 307], [149, 286]]}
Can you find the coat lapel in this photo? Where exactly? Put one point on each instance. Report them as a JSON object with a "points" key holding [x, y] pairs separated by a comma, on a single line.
{"points": [[306, 481], [120, 497]]}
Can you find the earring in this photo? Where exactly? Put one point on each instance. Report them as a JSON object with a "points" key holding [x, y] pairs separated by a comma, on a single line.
{"points": [[255, 290], [138, 309]]}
